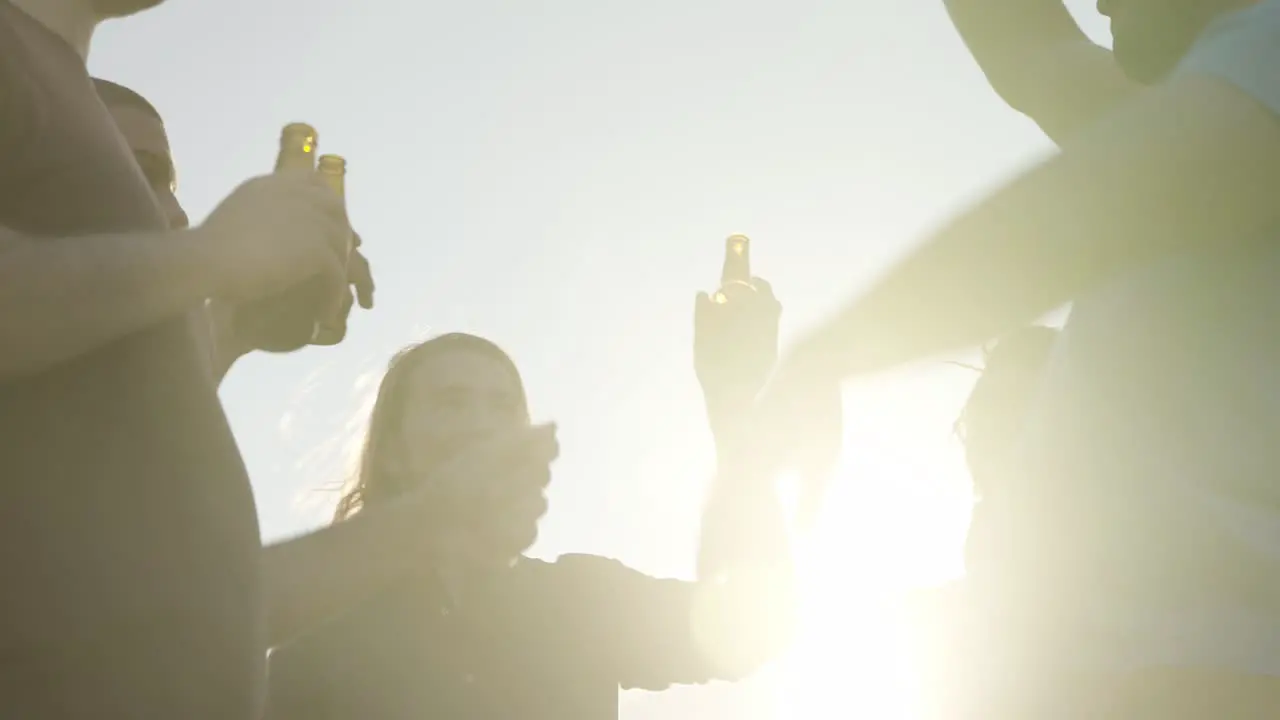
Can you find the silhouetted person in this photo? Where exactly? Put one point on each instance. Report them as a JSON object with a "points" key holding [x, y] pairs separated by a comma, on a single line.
{"points": [[133, 563], [144, 131], [991, 424], [1146, 535], [311, 578], [952, 635], [485, 632]]}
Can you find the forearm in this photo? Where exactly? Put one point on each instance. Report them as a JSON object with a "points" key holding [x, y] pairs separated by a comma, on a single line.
{"points": [[744, 601], [66, 297], [315, 577], [744, 524], [1185, 168], [1039, 61]]}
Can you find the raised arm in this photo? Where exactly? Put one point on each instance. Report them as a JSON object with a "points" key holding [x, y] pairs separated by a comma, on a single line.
{"points": [[739, 613], [1039, 61], [1192, 165]]}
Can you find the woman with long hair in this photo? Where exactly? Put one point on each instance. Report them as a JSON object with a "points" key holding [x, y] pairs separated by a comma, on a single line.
{"points": [[484, 632]]}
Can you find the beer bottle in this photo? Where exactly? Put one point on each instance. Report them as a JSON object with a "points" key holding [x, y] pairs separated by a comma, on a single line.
{"points": [[331, 331], [297, 148], [735, 276], [287, 321]]}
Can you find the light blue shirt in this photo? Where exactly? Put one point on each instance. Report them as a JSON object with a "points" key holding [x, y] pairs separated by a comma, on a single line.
{"points": [[1147, 531]]}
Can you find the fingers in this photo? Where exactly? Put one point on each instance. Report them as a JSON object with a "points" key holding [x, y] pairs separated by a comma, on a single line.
{"points": [[334, 273], [361, 277], [764, 291], [311, 192], [702, 306], [541, 444], [512, 463]]}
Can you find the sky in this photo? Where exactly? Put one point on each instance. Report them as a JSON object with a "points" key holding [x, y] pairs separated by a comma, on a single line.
{"points": [[559, 177]]}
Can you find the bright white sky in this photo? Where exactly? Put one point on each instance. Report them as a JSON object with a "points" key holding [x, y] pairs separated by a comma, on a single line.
{"points": [[559, 176]]}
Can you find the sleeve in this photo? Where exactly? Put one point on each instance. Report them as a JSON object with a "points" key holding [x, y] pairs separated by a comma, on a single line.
{"points": [[639, 628], [1243, 49]]}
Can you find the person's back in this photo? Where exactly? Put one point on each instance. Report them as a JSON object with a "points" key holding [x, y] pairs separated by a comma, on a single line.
{"points": [[130, 544], [1149, 535]]}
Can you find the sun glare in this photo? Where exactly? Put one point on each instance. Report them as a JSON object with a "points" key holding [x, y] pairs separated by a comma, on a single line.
{"points": [[894, 521]]}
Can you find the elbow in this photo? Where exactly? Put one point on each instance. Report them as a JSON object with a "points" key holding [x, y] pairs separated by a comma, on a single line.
{"points": [[1012, 76]]}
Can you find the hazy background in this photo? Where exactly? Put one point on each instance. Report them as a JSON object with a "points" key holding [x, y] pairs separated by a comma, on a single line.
{"points": [[559, 176]]}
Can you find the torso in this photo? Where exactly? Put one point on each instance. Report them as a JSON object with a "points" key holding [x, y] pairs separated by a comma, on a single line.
{"points": [[129, 538], [509, 651], [1148, 519]]}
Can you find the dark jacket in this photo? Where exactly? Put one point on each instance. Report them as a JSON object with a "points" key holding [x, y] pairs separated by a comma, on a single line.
{"points": [[548, 640]]}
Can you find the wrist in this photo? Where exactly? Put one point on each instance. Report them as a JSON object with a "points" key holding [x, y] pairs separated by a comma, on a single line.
{"points": [[726, 405], [217, 265]]}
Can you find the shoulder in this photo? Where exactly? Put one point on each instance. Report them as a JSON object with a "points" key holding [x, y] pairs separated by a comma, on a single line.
{"points": [[576, 570], [591, 579], [1243, 49]]}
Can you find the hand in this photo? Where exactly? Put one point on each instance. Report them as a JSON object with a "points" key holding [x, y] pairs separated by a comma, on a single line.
{"points": [[275, 231], [361, 288], [492, 494], [229, 347], [800, 425], [735, 344]]}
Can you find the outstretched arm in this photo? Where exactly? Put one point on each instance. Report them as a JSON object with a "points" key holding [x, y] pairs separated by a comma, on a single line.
{"points": [[1039, 61], [1192, 165]]}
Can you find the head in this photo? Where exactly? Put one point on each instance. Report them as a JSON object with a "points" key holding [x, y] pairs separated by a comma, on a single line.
{"points": [[437, 399], [142, 128], [1149, 37], [993, 415]]}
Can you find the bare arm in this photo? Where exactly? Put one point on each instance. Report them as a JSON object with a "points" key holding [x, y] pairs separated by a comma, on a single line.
{"points": [[1040, 62], [1193, 165], [744, 611], [66, 297]]}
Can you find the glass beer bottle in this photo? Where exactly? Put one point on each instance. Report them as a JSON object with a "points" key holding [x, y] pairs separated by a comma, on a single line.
{"points": [[735, 276], [331, 331], [287, 321]]}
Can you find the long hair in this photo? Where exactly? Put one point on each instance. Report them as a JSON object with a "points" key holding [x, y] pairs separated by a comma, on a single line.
{"points": [[373, 482]]}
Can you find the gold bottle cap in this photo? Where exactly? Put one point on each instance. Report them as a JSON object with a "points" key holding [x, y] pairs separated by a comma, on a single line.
{"points": [[737, 260], [299, 136]]}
